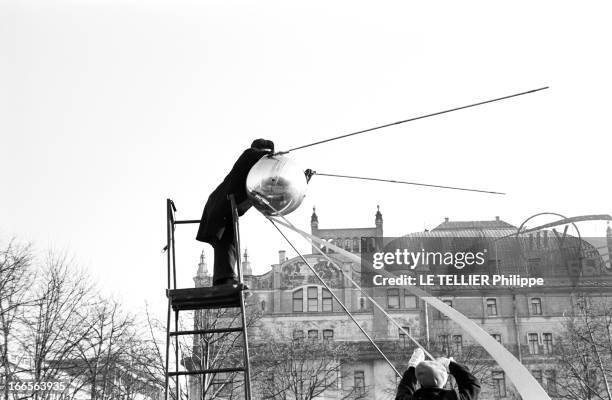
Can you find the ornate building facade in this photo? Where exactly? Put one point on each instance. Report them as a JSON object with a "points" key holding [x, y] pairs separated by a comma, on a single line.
{"points": [[294, 305]]}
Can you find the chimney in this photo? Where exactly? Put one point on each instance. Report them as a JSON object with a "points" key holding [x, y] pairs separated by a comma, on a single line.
{"points": [[281, 256], [445, 219], [497, 218]]}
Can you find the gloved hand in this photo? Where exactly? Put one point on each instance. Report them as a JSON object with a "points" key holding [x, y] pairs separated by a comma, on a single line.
{"points": [[445, 362], [309, 173], [417, 356]]}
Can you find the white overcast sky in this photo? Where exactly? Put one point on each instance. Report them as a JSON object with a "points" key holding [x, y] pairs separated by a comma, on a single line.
{"points": [[109, 107]]}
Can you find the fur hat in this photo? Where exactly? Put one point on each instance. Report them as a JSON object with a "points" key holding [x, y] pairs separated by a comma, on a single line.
{"points": [[431, 374]]}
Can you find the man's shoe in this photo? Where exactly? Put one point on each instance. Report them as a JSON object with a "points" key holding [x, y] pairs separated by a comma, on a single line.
{"points": [[230, 282]]}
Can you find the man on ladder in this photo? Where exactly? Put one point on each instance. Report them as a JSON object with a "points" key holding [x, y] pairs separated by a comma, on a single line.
{"points": [[216, 224]]}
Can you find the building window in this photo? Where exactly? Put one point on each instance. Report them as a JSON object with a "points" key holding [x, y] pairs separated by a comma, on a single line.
{"points": [[298, 335], [457, 344], [497, 337], [551, 381], [328, 334], [444, 343], [313, 335], [362, 303], [356, 245], [313, 298], [532, 340], [536, 306], [359, 382], [547, 342], [499, 384], [347, 244], [491, 307], [403, 337], [393, 300], [298, 304], [326, 301], [263, 305], [409, 300], [537, 374]]}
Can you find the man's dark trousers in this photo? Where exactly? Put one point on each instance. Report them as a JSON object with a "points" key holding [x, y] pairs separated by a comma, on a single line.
{"points": [[225, 254]]}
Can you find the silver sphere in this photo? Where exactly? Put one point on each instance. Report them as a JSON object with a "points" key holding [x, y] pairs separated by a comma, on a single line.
{"points": [[279, 181]]}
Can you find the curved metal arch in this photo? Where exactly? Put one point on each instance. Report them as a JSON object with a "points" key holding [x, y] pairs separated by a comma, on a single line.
{"points": [[565, 220]]}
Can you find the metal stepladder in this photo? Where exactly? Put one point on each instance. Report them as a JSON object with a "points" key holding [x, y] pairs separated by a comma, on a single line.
{"points": [[202, 298]]}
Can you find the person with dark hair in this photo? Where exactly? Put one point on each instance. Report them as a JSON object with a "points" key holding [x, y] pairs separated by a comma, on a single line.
{"points": [[432, 376], [216, 224]]}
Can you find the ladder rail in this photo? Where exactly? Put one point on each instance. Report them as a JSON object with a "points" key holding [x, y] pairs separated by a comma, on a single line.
{"points": [[167, 361], [172, 291], [247, 361]]}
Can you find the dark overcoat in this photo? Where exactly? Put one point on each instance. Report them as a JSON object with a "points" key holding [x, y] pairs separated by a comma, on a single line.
{"points": [[468, 386], [217, 211]]}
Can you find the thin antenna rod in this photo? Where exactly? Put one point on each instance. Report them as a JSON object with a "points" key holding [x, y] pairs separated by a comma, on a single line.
{"points": [[408, 183], [413, 119]]}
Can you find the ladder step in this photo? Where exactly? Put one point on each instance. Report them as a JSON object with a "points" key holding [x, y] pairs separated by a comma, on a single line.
{"points": [[207, 371], [187, 221], [203, 331], [205, 297]]}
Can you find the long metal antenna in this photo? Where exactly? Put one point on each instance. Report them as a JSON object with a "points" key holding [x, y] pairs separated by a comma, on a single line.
{"points": [[413, 119], [407, 183]]}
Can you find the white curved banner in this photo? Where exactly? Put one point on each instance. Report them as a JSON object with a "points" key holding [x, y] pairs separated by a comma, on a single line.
{"points": [[523, 381]]}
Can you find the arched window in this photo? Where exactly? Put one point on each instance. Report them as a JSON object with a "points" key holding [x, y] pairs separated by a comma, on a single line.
{"points": [[356, 245], [298, 304], [347, 244]]}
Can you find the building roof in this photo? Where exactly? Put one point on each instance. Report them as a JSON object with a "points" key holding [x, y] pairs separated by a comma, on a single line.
{"points": [[497, 223], [464, 232]]}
